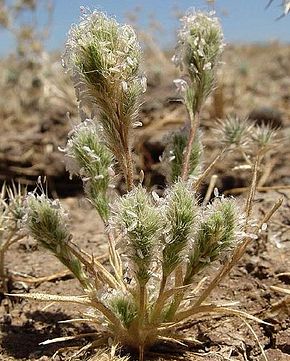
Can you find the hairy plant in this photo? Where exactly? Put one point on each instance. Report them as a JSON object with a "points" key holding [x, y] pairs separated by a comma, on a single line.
{"points": [[200, 44], [87, 157], [159, 247], [104, 58]]}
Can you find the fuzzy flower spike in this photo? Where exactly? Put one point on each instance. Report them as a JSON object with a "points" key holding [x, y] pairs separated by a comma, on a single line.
{"points": [[198, 52], [200, 45], [104, 58], [87, 157]]}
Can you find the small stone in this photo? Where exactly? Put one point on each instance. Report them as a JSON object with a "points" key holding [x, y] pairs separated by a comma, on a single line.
{"points": [[283, 341], [275, 355]]}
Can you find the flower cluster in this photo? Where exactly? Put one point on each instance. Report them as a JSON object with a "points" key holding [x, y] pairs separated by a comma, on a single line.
{"points": [[175, 229], [141, 221], [233, 132], [12, 209], [100, 48], [264, 138], [180, 215], [104, 58], [47, 223], [89, 158], [200, 42], [198, 51], [219, 230]]}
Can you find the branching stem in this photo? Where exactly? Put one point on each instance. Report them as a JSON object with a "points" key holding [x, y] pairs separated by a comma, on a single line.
{"points": [[206, 172], [142, 305], [160, 300]]}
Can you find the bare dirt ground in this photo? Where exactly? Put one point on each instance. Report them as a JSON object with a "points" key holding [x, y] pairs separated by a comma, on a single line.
{"points": [[255, 79]]}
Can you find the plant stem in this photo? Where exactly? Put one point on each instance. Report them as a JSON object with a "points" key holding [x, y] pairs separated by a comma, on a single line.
{"points": [[162, 286], [252, 192], [179, 281], [142, 305], [129, 168], [141, 352], [210, 189], [160, 300], [126, 151], [3, 248], [208, 169], [186, 160], [2, 271], [179, 297], [259, 189]]}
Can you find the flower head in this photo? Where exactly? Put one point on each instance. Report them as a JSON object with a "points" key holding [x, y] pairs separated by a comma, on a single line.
{"points": [[219, 231], [200, 42], [140, 220], [234, 132], [100, 47], [198, 51], [47, 223], [104, 56], [180, 213], [90, 159], [264, 138]]}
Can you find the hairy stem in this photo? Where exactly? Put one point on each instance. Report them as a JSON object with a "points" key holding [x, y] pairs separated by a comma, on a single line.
{"points": [[2, 271], [179, 296], [252, 192], [186, 160], [129, 169], [208, 169], [142, 305], [160, 300]]}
